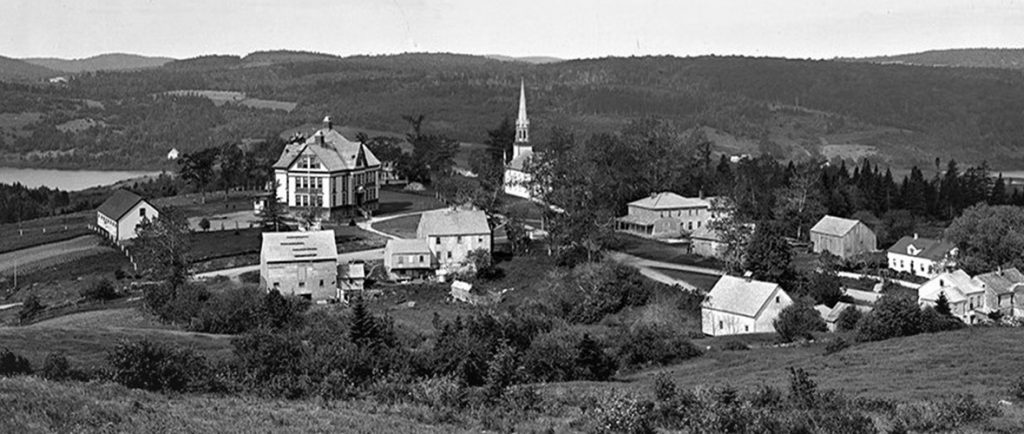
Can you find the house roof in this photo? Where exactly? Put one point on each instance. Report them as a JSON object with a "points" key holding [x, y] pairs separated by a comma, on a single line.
{"points": [[927, 248], [335, 152], [519, 163], [299, 246], [1002, 281], [407, 246], [740, 296], [452, 222], [956, 285], [669, 200], [353, 270], [645, 220], [118, 204], [832, 225], [832, 314]]}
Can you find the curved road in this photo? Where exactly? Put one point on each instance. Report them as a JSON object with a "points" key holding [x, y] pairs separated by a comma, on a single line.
{"points": [[646, 268]]}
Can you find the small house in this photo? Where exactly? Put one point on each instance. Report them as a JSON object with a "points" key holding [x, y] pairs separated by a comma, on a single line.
{"points": [[831, 314], [352, 281], [965, 296], [1001, 289], [738, 305], [408, 259], [924, 257], [120, 215], [303, 264], [708, 243], [451, 234], [844, 238], [665, 215]]}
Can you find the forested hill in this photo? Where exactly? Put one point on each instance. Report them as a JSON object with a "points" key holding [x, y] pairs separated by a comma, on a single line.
{"points": [[1009, 58], [103, 62], [19, 70], [900, 115]]}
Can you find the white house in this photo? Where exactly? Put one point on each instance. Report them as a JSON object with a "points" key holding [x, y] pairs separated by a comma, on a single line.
{"points": [[408, 259], [738, 305], [1003, 290], [452, 233], [517, 176], [328, 173], [304, 264], [666, 215], [173, 154], [923, 257], [120, 214], [965, 296]]}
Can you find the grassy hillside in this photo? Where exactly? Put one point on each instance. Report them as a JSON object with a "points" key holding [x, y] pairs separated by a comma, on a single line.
{"points": [[981, 361], [29, 405], [18, 70]]}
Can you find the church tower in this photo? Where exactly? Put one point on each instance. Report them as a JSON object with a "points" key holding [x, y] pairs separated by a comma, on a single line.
{"points": [[522, 143]]}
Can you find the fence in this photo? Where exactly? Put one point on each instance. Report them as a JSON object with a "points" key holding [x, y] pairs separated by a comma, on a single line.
{"points": [[120, 245]]}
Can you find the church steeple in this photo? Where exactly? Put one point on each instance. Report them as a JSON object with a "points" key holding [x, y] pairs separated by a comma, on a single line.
{"points": [[522, 142]]}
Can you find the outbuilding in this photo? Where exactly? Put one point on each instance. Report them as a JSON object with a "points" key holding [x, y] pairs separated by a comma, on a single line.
{"points": [[738, 305], [304, 264], [120, 215]]}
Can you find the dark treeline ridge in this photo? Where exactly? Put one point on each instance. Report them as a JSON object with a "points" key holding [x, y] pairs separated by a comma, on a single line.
{"points": [[948, 112]]}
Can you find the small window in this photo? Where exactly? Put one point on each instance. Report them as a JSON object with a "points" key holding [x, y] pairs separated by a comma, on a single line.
{"points": [[302, 284], [401, 259], [277, 285], [421, 258], [746, 328], [321, 283], [480, 240], [458, 239], [720, 325], [437, 240], [778, 299], [449, 255], [142, 212]]}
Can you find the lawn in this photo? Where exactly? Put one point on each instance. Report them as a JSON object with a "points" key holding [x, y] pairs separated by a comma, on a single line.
{"points": [[192, 205], [31, 233], [58, 283], [659, 251], [394, 200], [704, 282], [402, 227]]}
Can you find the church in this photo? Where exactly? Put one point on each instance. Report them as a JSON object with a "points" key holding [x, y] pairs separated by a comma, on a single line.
{"points": [[517, 179], [328, 174]]}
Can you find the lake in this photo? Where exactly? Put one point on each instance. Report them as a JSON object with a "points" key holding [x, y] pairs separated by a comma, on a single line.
{"points": [[69, 180]]}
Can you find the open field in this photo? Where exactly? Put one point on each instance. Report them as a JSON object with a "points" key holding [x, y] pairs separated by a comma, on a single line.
{"points": [[192, 204], [982, 361], [33, 405], [402, 227], [29, 233], [396, 201], [61, 282], [48, 255]]}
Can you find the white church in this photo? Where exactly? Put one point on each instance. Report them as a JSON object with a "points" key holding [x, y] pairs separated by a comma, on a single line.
{"points": [[517, 179]]}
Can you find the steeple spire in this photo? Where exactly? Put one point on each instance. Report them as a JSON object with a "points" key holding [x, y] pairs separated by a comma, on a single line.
{"points": [[522, 122]]}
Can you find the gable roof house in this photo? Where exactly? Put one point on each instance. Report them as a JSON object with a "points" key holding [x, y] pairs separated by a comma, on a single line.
{"points": [[844, 238], [328, 173], [451, 234], [665, 215], [408, 259], [122, 212], [966, 297], [920, 256], [1003, 288], [304, 264], [738, 305]]}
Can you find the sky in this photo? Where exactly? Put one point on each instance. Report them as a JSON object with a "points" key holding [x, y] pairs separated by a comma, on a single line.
{"points": [[817, 29]]}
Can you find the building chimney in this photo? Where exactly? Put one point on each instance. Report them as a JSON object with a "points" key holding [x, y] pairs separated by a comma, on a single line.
{"points": [[319, 137], [327, 123]]}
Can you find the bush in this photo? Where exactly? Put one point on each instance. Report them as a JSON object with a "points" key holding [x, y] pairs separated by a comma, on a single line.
{"points": [[893, 316], [152, 366], [102, 289], [798, 320], [250, 277], [1017, 388], [648, 346], [943, 415], [620, 414], [589, 292], [30, 307], [848, 318], [57, 368], [13, 364], [204, 224], [552, 357], [735, 346], [836, 345]]}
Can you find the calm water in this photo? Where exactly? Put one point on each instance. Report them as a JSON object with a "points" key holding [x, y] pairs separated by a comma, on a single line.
{"points": [[69, 180]]}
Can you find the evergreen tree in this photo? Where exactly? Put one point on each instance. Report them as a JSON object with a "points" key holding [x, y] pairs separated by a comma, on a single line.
{"points": [[998, 195], [768, 256], [592, 362], [501, 139], [502, 371], [363, 331], [942, 305]]}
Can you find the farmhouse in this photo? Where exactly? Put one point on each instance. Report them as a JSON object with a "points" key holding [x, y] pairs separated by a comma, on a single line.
{"points": [[304, 264], [517, 177], [965, 296], [844, 238], [451, 234], [923, 257], [739, 305], [408, 259], [666, 215], [328, 174], [1001, 288], [120, 214]]}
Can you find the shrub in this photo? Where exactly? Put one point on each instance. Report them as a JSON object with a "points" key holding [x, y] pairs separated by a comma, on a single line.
{"points": [[57, 368], [153, 366], [648, 346], [552, 356], [735, 346], [204, 224], [1017, 388], [589, 292], [439, 392], [933, 322], [836, 345], [943, 415], [13, 364], [803, 391], [893, 316], [250, 277], [848, 318], [102, 289], [30, 307], [620, 414], [798, 320]]}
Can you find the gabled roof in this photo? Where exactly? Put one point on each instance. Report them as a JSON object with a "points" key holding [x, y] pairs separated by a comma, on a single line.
{"points": [[353, 270], [299, 246], [452, 222], [922, 248], [669, 200], [832, 225], [832, 314], [415, 246], [334, 151], [1002, 282], [740, 296], [519, 163], [118, 204], [957, 285]]}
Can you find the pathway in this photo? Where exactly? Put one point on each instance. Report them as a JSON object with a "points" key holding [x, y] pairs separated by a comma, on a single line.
{"points": [[367, 225], [647, 268]]}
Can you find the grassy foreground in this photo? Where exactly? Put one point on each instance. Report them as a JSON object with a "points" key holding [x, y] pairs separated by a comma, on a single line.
{"points": [[30, 405]]}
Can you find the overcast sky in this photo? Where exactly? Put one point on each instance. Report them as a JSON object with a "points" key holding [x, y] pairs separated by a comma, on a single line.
{"points": [[567, 29]]}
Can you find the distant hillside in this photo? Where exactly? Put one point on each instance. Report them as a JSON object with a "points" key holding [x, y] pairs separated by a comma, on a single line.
{"points": [[251, 60], [18, 70], [103, 62], [1007, 58], [536, 60]]}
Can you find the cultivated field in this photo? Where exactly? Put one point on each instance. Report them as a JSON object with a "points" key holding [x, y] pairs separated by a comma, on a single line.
{"points": [[14, 236], [48, 255]]}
